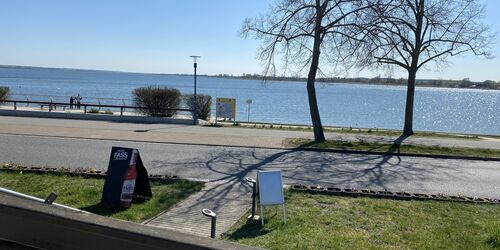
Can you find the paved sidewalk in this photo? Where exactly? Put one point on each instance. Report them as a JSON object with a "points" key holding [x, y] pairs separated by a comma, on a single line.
{"points": [[229, 200], [199, 135]]}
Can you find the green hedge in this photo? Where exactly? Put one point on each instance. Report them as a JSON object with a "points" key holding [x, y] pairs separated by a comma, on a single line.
{"points": [[4, 93], [157, 100], [204, 104]]}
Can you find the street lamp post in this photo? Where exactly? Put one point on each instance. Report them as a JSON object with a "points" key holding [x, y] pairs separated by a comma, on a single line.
{"points": [[195, 109]]}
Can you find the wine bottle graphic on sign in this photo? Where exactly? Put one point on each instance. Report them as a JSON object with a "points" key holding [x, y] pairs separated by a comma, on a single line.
{"points": [[129, 181]]}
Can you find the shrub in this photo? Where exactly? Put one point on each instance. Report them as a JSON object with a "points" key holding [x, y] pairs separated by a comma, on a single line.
{"points": [[215, 125], [93, 110], [157, 100], [204, 104], [4, 93]]}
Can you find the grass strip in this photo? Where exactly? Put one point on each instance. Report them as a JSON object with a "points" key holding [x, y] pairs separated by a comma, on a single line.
{"points": [[317, 221], [354, 131], [393, 148], [85, 193]]}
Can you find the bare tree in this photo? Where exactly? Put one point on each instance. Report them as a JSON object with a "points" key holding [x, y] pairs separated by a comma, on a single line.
{"points": [[302, 34], [412, 33]]}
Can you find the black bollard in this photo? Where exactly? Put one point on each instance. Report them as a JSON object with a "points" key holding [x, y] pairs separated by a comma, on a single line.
{"points": [[254, 195], [209, 213]]}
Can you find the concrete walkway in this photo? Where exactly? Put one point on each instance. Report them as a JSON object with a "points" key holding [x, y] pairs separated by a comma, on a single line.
{"points": [[229, 200], [199, 135]]}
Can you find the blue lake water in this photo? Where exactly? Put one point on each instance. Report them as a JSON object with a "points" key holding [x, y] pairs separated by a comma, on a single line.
{"points": [[349, 105]]}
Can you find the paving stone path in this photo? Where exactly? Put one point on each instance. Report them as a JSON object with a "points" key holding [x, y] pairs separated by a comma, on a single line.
{"points": [[229, 200]]}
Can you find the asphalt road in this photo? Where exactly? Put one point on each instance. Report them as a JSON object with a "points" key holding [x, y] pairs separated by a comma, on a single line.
{"points": [[219, 163]]}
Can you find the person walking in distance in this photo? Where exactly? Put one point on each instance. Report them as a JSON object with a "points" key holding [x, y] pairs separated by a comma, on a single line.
{"points": [[71, 101], [78, 101]]}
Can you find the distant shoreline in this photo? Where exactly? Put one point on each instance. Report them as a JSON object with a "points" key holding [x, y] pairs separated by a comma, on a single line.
{"points": [[462, 84]]}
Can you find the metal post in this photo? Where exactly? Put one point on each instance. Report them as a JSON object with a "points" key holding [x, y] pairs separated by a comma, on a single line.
{"points": [[121, 111], [212, 231], [195, 113], [209, 213], [262, 214], [15, 105], [249, 101], [195, 108], [254, 196]]}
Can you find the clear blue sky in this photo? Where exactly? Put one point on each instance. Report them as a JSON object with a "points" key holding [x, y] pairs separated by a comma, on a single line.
{"points": [[158, 36]]}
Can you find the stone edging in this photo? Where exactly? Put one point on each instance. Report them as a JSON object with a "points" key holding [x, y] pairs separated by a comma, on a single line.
{"points": [[352, 192], [90, 173]]}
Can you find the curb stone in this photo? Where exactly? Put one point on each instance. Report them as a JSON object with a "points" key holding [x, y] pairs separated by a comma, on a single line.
{"points": [[89, 173], [384, 194]]}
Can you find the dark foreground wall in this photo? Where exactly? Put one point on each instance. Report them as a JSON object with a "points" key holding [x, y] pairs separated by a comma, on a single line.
{"points": [[47, 227]]}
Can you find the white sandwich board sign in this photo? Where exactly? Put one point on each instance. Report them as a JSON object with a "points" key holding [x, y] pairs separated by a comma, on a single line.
{"points": [[270, 187]]}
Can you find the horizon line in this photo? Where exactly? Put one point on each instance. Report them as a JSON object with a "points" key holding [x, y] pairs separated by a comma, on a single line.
{"points": [[213, 75]]}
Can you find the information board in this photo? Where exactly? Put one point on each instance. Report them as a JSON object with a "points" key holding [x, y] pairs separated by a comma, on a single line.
{"points": [[226, 108], [270, 187], [119, 169]]}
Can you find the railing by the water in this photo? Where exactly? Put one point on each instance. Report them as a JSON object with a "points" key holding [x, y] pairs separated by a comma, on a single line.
{"points": [[61, 98], [77, 106]]}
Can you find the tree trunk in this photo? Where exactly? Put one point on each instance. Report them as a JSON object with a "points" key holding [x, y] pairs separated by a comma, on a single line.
{"points": [[410, 96], [311, 78], [313, 105], [412, 70]]}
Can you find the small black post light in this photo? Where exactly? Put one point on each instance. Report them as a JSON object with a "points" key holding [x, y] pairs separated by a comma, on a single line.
{"points": [[209, 213], [51, 198], [254, 196]]}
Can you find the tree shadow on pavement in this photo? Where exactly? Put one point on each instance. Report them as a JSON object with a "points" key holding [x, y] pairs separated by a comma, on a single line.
{"points": [[397, 144], [377, 171], [227, 168], [231, 180]]}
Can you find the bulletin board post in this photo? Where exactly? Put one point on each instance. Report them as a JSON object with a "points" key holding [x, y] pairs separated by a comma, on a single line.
{"points": [[225, 108]]}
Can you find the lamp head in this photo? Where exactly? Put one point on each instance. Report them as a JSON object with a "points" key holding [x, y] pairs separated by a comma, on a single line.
{"points": [[194, 58]]}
